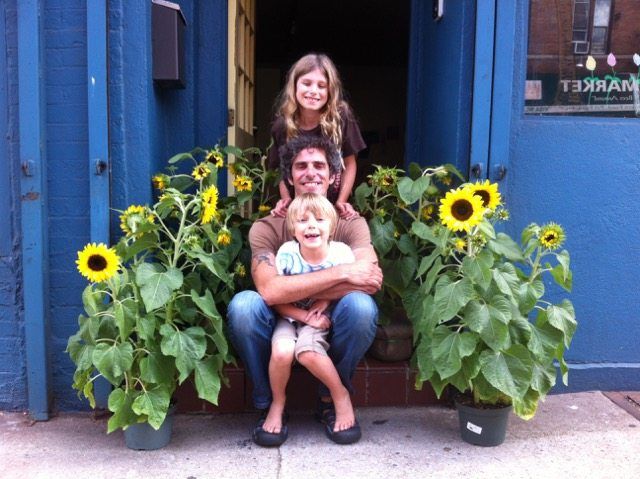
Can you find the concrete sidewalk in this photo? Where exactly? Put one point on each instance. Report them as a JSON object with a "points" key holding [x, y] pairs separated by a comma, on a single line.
{"points": [[582, 435]]}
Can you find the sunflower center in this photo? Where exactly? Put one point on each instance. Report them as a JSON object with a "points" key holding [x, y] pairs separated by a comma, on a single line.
{"points": [[462, 210], [486, 198], [97, 262], [551, 237]]}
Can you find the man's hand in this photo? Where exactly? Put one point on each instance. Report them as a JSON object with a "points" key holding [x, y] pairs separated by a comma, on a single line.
{"points": [[364, 273], [280, 210], [346, 211]]}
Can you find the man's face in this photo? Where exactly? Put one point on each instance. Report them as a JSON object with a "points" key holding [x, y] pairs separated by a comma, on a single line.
{"points": [[310, 172]]}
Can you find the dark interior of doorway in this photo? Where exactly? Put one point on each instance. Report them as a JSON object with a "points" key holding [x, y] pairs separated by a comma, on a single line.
{"points": [[369, 42]]}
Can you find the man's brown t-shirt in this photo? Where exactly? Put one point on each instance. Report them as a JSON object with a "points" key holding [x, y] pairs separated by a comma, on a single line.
{"points": [[269, 233]]}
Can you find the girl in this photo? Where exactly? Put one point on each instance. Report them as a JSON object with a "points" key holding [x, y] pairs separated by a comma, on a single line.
{"points": [[312, 103]]}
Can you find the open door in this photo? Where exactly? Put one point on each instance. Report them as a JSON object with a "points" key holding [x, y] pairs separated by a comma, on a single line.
{"points": [[241, 72], [440, 91]]}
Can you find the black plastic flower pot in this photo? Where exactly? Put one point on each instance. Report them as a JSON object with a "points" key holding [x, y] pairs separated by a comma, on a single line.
{"points": [[142, 437], [483, 426]]}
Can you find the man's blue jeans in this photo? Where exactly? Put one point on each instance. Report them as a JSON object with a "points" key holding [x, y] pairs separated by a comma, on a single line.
{"points": [[251, 323]]}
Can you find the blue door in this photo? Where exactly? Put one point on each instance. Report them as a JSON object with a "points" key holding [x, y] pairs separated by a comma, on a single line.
{"points": [[564, 124], [440, 83]]}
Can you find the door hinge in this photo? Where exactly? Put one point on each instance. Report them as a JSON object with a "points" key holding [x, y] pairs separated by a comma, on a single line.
{"points": [[231, 117]]}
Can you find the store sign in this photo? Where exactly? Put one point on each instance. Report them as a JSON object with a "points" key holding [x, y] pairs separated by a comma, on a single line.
{"points": [[582, 59]]}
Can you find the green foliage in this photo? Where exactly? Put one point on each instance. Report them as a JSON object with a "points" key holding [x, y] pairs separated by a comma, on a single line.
{"points": [[491, 333], [400, 211], [475, 297], [158, 321]]}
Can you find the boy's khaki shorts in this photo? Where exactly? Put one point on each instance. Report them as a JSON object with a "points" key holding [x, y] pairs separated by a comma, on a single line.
{"points": [[307, 338]]}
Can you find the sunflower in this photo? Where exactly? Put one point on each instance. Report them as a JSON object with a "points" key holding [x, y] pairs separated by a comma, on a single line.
{"points": [[97, 263], [243, 183], [461, 210], [264, 209], [215, 157], [427, 211], [488, 192], [160, 181], [460, 244], [551, 236], [384, 178], [201, 171], [133, 217], [209, 204], [224, 237], [240, 270]]}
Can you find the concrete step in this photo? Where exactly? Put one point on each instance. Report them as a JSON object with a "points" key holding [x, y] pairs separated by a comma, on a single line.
{"points": [[376, 383]]}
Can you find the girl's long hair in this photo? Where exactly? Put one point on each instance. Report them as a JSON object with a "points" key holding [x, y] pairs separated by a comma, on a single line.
{"points": [[336, 106]]}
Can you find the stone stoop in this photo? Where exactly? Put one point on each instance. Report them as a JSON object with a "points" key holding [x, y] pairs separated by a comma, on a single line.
{"points": [[376, 383]]}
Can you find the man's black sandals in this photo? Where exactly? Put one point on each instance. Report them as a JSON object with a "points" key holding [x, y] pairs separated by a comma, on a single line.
{"points": [[270, 439], [326, 414]]}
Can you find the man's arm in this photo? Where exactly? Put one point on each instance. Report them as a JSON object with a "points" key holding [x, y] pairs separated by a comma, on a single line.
{"points": [[331, 283], [365, 276]]}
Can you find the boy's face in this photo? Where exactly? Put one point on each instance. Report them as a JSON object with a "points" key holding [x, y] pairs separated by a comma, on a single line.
{"points": [[312, 231], [310, 172]]}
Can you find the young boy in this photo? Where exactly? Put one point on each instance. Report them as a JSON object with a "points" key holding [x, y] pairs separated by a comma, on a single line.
{"points": [[303, 327]]}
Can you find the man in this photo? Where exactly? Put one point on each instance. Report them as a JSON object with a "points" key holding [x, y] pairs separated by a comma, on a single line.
{"points": [[309, 164]]}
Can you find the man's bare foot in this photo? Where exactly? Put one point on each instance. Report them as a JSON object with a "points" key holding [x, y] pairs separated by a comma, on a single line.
{"points": [[273, 422], [345, 417]]}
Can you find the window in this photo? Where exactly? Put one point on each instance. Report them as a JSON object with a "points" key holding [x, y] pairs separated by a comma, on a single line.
{"points": [[581, 26], [583, 58]]}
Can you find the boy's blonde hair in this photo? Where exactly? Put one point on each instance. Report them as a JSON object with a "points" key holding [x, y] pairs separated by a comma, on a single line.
{"points": [[319, 205], [330, 116]]}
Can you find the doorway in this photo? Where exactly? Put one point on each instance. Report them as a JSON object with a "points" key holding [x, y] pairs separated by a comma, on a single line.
{"points": [[368, 40]]}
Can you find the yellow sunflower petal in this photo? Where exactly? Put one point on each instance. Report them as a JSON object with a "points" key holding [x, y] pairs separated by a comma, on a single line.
{"points": [[551, 236], [209, 204], [97, 262], [243, 183], [461, 210], [224, 237], [201, 171], [488, 192]]}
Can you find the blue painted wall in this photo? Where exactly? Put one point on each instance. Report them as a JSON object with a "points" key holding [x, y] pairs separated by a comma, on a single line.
{"points": [[13, 388], [590, 187], [150, 124], [583, 173], [147, 126], [68, 177]]}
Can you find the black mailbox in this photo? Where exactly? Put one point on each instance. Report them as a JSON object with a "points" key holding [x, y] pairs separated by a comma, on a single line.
{"points": [[167, 38]]}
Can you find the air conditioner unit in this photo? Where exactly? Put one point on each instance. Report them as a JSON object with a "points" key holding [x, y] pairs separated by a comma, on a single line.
{"points": [[580, 48]]}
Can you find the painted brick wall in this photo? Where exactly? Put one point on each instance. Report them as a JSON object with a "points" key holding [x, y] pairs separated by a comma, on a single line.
{"points": [[147, 126], [68, 180], [13, 391]]}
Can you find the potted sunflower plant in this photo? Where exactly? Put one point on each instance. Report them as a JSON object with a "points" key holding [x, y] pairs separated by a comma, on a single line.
{"points": [[397, 204], [154, 306], [483, 322]]}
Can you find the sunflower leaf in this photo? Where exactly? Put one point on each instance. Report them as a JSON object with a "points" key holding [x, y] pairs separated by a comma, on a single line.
{"points": [[180, 157], [382, 235], [411, 191], [558, 273], [503, 245], [207, 378], [154, 404], [508, 371], [113, 360], [157, 284], [450, 296], [186, 346]]}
